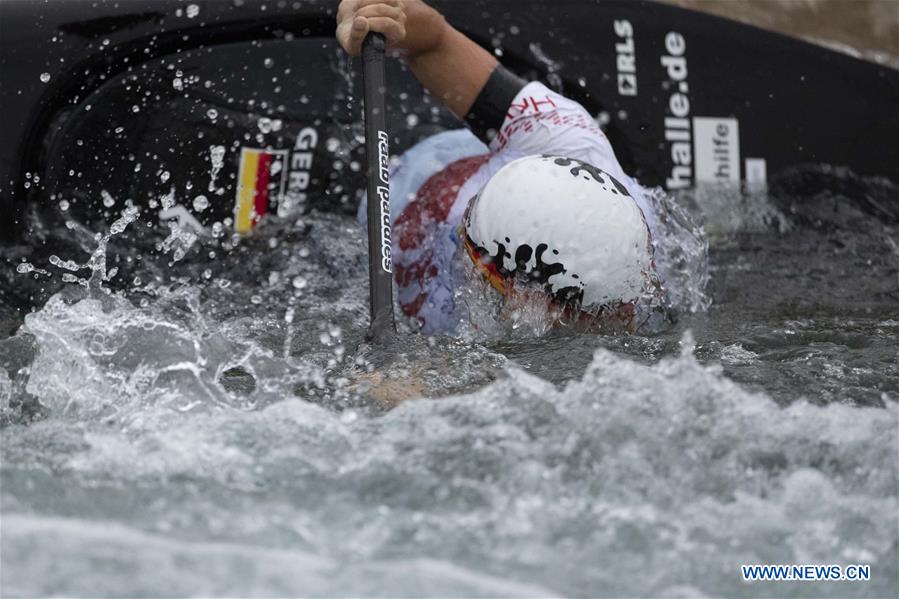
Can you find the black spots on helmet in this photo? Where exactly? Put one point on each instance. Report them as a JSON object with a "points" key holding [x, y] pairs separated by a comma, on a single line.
{"points": [[596, 174], [621, 189], [582, 167], [544, 270], [522, 255], [538, 274], [569, 296]]}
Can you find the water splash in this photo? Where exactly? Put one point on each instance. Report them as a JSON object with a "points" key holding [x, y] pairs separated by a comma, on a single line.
{"points": [[682, 252], [552, 66], [670, 464]]}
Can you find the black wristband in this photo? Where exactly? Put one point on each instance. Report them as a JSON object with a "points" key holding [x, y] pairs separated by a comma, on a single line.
{"points": [[490, 107]]}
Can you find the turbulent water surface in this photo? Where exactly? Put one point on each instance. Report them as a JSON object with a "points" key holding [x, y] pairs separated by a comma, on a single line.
{"points": [[208, 420], [202, 416]]}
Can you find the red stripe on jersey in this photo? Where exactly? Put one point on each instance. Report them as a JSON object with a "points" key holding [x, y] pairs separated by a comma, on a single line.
{"points": [[434, 200], [431, 207]]}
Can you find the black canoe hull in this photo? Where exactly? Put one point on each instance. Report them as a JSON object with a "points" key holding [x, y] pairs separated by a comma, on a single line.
{"points": [[126, 113]]}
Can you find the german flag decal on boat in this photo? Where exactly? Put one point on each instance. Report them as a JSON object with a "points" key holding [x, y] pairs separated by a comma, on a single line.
{"points": [[261, 183]]}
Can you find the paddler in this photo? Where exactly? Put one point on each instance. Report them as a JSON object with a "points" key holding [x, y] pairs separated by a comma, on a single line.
{"points": [[530, 195]]}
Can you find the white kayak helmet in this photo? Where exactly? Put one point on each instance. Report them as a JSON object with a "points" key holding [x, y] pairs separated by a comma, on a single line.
{"points": [[565, 225]]}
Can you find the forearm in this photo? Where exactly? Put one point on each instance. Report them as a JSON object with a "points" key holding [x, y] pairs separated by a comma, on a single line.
{"points": [[449, 65]]}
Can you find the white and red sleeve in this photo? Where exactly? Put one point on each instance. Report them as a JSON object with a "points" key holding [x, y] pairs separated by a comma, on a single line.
{"points": [[540, 121]]}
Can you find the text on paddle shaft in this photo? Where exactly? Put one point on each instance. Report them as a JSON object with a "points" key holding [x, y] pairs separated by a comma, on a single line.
{"points": [[677, 126], [383, 192]]}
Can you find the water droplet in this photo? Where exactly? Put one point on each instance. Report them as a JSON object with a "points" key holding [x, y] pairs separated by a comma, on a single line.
{"points": [[178, 84], [70, 265], [45, 77], [256, 299], [164, 176], [108, 200], [269, 63], [212, 113], [135, 108], [192, 11], [299, 282], [412, 120], [201, 203]]}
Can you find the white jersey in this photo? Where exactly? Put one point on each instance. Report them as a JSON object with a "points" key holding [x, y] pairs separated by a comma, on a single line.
{"points": [[432, 183]]}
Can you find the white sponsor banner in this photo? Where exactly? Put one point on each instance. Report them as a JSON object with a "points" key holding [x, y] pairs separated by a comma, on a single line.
{"points": [[716, 149], [756, 174]]}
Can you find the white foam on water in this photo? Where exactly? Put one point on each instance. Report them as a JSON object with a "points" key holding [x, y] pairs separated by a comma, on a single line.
{"points": [[173, 567], [102, 358], [5, 390], [633, 480]]}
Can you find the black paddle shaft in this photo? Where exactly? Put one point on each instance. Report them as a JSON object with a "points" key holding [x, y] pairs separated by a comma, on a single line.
{"points": [[380, 262]]}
